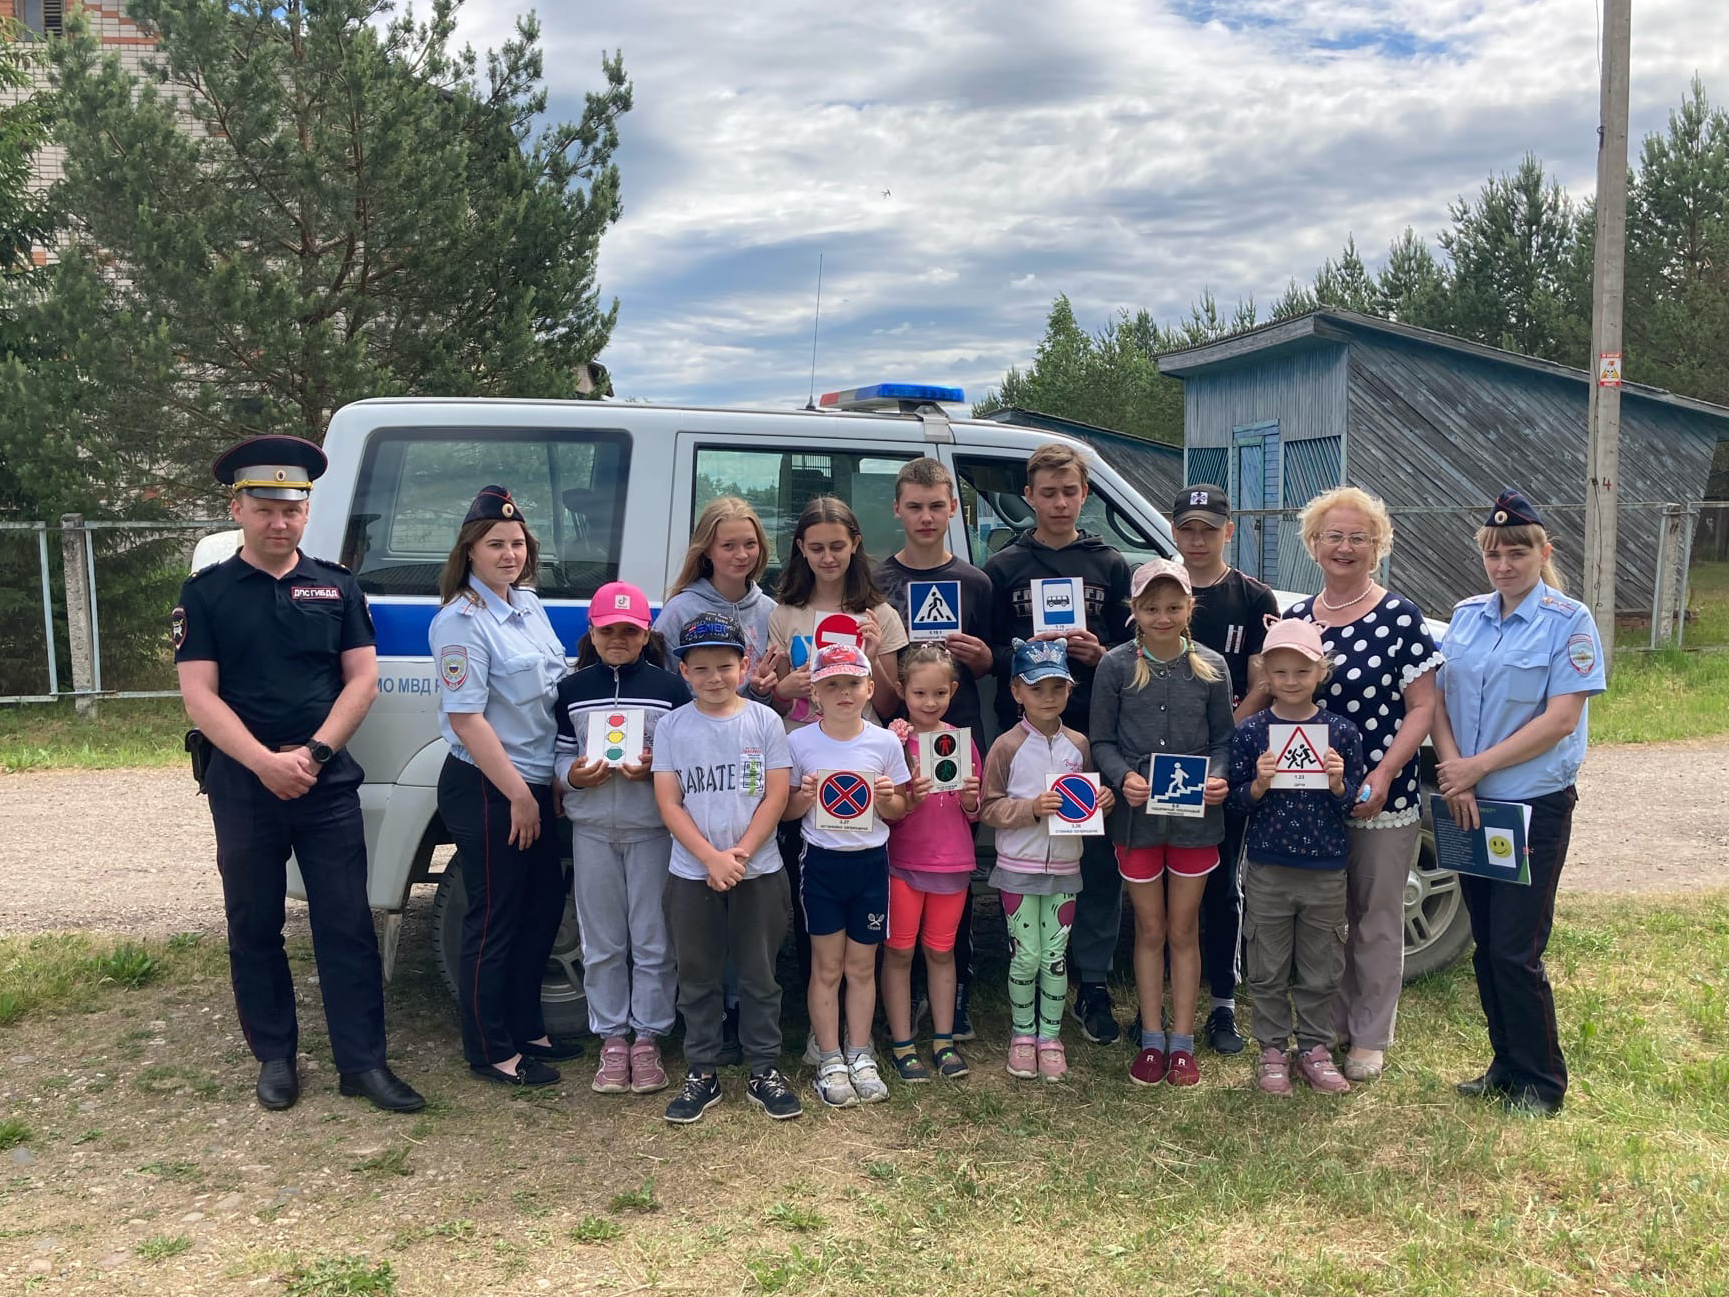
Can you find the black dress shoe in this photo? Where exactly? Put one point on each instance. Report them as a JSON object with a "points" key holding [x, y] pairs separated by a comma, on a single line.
{"points": [[1526, 1102], [1478, 1087], [559, 1051], [1222, 1031], [530, 1072], [278, 1084], [384, 1088]]}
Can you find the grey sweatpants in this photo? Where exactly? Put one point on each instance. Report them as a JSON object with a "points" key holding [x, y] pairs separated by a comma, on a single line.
{"points": [[1098, 912], [627, 967], [1293, 917], [746, 927]]}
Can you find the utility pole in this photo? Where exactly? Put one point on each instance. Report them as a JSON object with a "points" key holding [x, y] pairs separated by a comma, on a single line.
{"points": [[1602, 452]]}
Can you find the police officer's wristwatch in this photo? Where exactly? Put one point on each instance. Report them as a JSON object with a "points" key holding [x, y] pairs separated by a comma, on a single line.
{"points": [[321, 752]]}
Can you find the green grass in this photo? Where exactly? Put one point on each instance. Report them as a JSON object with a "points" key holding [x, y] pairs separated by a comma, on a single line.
{"points": [[342, 1276], [1660, 697], [72, 973], [595, 1229], [159, 1247], [126, 732], [13, 1132]]}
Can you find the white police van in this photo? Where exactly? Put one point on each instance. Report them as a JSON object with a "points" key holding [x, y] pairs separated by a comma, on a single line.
{"points": [[611, 491]]}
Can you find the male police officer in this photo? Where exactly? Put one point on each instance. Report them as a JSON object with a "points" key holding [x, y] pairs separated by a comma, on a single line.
{"points": [[277, 668]]}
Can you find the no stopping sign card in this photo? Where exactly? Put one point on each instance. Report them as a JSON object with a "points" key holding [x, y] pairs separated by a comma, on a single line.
{"points": [[1078, 814], [615, 736], [946, 758], [843, 802]]}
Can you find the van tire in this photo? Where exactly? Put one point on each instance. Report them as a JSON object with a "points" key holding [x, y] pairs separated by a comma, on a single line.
{"points": [[1437, 925], [563, 1002]]}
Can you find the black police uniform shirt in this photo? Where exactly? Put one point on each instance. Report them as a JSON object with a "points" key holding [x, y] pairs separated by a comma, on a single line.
{"points": [[277, 641], [1229, 618]]}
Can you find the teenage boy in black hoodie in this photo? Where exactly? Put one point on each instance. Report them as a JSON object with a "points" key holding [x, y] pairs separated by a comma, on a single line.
{"points": [[1056, 547]]}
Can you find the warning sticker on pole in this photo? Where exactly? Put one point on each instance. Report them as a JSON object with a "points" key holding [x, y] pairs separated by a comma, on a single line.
{"points": [[1609, 369]]}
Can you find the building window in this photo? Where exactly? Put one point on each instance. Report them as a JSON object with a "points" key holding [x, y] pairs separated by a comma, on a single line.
{"points": [[46, 17]]}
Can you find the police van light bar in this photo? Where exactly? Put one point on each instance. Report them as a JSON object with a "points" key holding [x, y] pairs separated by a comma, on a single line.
{"points": [[889, 396]]}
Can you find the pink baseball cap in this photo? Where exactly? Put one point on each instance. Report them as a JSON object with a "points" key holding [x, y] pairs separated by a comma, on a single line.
{"points": [[1159, 569], [617, 602], [1290, 633], [839, 660]]}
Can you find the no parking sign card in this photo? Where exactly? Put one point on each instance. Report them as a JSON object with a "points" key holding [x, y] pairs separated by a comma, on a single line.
{"points": [[946, 758], [1078, 814], [615, 736], [1176, 784], [843, 802]]}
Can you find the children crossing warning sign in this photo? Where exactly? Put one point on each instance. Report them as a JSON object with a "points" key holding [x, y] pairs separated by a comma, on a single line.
{"points": [[1302, 753], [933, 609]]}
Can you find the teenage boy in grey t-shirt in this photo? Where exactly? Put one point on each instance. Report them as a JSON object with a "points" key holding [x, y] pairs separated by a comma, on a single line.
{"points": [[720, 779]]}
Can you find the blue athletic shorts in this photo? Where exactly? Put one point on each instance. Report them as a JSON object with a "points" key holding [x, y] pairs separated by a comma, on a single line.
{"points": [[845, 890]]}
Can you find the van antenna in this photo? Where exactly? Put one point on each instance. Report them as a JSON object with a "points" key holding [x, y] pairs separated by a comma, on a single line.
{"points": [[815, 324]]}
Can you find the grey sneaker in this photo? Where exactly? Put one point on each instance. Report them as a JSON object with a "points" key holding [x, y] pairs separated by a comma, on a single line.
{"points": [[834, 1085], [867, 1082]]}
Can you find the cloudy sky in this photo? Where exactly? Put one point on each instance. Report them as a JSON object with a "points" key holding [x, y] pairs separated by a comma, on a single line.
{"points": [[958, 165]]}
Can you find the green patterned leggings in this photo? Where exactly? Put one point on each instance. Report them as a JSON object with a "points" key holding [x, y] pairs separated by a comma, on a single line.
{"points": [[1038, 960]]}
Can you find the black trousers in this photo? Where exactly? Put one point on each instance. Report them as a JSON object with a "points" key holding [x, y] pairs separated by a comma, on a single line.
{"points": [[515, 904], [255, 832], [1511, 926], [1222, 914]]}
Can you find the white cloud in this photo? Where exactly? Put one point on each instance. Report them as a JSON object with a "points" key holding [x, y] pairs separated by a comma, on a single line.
{"points": [[1127, 154]]}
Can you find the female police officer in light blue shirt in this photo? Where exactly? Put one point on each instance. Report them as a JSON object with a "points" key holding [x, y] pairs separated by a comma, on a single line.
{"points": [[499, 664], [1521, 663]]}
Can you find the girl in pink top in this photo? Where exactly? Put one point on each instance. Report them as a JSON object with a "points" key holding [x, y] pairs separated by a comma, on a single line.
{"points": [[930, 871]]}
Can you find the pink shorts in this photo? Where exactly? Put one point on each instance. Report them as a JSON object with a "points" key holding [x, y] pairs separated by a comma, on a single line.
{"points": [[916, 916], [1148, 864]]}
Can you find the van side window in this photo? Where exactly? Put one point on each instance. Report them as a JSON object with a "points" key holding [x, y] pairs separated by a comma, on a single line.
{"points": [[996, 512], [779, 483], [416, 484]]}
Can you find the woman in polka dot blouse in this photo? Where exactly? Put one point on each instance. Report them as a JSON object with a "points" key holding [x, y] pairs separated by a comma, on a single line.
{"points": [[1383, 679]]}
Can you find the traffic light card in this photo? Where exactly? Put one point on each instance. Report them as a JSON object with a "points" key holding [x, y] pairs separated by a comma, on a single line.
{"points": [[946, 758], [933, 609], [615, 736], [1176, 785], [844, 802], [1302, 751], [1059, 604], [1078, 814]]}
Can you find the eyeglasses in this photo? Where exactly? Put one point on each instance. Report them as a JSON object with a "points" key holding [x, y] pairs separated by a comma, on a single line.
{"points": [[1355, 539]]}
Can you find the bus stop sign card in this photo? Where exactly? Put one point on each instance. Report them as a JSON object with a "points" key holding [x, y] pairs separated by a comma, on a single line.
{"points": [[946, 759], [843, 802], [1059, 604], [1078, 815], [615, 736], [1176, 785], [1302, 749], [933, 609]]}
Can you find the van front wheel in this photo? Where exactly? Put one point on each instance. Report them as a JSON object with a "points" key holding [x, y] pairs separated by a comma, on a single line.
{"points": [[562, 999]]}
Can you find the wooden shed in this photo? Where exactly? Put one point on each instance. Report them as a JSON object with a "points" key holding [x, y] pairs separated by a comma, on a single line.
{"points": [[1152, 467], [1437, 427]]}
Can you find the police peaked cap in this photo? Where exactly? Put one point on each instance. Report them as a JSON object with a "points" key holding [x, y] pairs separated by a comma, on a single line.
{"points": [[1512, 509], [493, 504], [274, 467]]}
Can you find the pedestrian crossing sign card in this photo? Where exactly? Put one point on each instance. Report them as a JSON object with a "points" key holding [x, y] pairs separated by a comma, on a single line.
{"points": [[843, 802], [1176, 785], [615, 736], [1078, 814], [946, 758], [1302, 753], [933, 609], [1059, 604]]}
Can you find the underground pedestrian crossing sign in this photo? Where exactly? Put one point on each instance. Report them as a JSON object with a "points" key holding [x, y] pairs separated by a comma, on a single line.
{"points": [[1176, 785], [1077, 813], [933, 609], [615, 735], [843, 802]]}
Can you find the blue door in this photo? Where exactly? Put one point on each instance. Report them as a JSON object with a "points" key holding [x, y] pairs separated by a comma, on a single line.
{"points": [[1255, 485]]}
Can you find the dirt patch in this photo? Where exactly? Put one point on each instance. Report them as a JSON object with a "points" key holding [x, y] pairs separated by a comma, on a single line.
{"points": [[133, 850]]}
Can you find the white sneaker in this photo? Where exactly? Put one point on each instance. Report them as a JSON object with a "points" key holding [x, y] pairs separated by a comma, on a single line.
{"points": [[834, 1085], [812, 1055], [867, 1082]]}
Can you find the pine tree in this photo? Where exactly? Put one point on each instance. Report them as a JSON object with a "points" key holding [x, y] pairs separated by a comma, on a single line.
{"points": [[1411, 287], [1346, 282]]}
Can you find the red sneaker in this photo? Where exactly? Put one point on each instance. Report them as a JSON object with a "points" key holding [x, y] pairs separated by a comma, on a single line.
{"points": [[1148, 1067], [1182, 1069]]}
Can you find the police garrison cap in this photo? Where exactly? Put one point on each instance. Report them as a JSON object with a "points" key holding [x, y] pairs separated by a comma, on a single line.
{"points": [[493, 504], [275, 467], [1512, 509]]}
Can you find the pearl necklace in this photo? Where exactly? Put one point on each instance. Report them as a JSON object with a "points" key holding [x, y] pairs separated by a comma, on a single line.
{"points": [[1330, 606]]}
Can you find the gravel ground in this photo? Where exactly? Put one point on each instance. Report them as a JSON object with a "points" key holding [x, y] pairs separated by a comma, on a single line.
{"points": [[1651, 818]]}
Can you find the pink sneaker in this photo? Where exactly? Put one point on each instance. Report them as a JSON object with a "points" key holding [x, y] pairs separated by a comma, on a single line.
{"points": [[1182, 1069], [613, 1074], [1316, 1067], [647, 1073], [1273, 1072], [1148, 1067], [1053, 1062], [1023, 1058]]}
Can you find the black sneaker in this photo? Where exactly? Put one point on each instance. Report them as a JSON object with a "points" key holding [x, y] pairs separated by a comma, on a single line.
{"points": [[1222, 1031], [1093, 1011], [699, 1093], [770, 1092], [731, 1052]]}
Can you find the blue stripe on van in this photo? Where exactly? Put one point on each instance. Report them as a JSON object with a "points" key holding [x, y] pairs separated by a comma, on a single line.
{"points": [[402, 628]]}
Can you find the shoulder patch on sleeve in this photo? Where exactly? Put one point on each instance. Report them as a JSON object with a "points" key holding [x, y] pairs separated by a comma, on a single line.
{"points": [[453, 665], [177, 626], [329, 563], [1582, 652]]}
